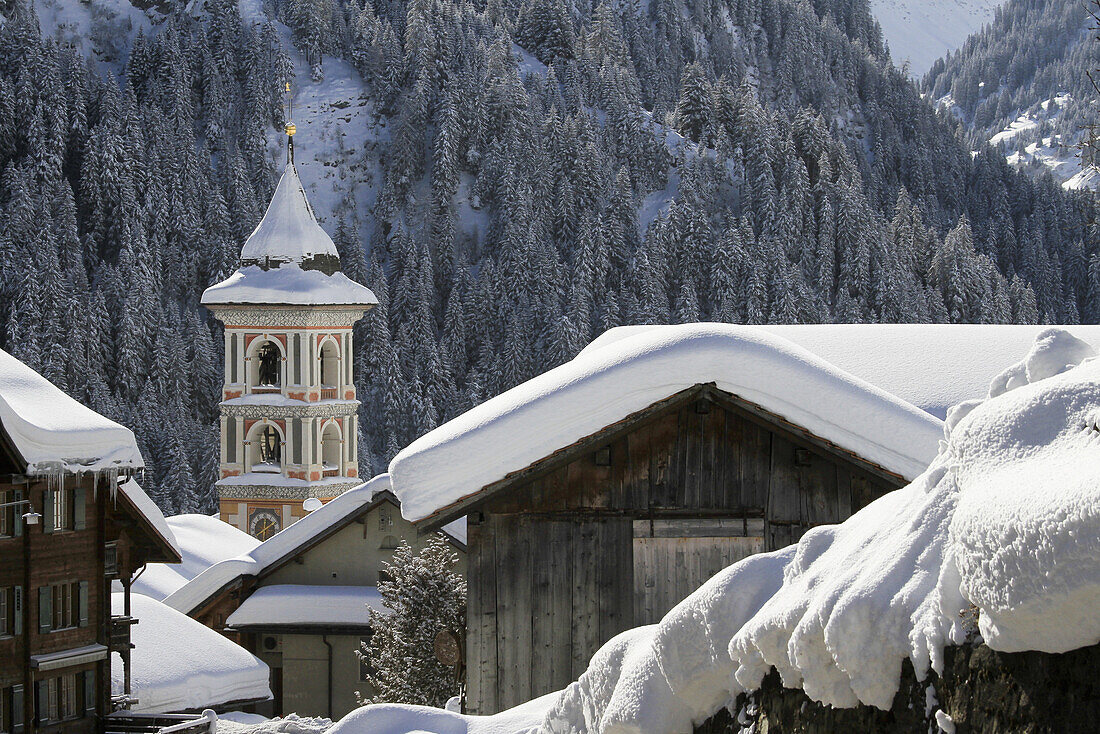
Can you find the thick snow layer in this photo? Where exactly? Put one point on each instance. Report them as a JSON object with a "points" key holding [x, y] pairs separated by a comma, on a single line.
{"points": [[921, 31], [150, 511], [235, 722], [932, 366], [275, 548], [288, 285], [203, 541], [54, 433], [1007, 517], [178, 663], [297, 604], [288, 231], [602, 386], [392, 718]]}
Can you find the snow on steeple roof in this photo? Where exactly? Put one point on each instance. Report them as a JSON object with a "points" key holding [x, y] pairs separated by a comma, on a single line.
{"points": [[289, 259], [289, 232]]}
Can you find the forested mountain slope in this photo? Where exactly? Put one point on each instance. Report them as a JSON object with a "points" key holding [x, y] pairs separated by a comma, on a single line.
{"points": [[509, 178], [1023, 84]]}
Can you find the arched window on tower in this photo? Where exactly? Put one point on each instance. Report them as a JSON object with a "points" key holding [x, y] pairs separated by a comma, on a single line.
{"points": [[266, 450], [330, 365], [268, 367], [330, 450]]}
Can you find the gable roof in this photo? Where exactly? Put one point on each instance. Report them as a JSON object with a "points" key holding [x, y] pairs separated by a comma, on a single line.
{"points": [[288, 543], [49, 432], [932, 366], [604, 385]]}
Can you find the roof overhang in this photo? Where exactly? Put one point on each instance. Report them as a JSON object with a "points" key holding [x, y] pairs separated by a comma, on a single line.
{"points": [[704, 391]]}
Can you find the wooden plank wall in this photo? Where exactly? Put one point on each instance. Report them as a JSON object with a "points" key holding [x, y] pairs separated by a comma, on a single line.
{"points": [[545, 594], [555, 569]]}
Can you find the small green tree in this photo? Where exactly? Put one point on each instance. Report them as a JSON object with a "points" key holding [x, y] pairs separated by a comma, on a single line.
{"points": [[423, 595]]}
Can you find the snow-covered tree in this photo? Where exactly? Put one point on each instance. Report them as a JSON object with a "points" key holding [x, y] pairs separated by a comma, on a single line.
{"points": [[423, 596]]}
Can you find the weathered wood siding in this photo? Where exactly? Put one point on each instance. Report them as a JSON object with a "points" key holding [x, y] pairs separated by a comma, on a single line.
{"points": [[612, 534]]}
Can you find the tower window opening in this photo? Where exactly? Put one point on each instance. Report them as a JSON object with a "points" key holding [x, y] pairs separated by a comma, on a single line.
{"points": [[330, 365], [330, 449], [268, 366], [267, 451]]}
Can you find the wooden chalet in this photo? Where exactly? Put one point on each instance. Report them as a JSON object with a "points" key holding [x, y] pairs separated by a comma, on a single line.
{"points": [[65, 535], [610, 531]]}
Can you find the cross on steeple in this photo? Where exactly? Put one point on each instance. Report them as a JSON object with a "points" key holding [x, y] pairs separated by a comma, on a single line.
{"points": [[289, 127]]}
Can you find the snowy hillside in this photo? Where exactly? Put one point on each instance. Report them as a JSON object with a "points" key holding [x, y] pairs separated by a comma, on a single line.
{"points": [[921, 31], [1030, 144]]}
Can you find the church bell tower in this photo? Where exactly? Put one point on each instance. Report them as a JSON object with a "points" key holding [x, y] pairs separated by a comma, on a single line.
{"points": [[288, 412]]}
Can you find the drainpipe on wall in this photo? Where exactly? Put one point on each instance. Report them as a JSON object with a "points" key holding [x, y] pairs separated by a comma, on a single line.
{"points": [[324, 639]]}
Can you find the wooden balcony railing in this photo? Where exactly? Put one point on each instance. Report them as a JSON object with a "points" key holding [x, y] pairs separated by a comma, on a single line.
{"points": [[329, 393]]}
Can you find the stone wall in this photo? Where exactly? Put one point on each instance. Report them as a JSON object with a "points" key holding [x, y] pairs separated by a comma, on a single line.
{"points": [[981, 690]]}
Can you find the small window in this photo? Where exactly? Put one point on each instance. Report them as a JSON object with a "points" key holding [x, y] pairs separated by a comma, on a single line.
{"points": [[62, 508], [110, 560], [7, 514], [64, 606], [389, 543], [68, 702], [603, 456]]}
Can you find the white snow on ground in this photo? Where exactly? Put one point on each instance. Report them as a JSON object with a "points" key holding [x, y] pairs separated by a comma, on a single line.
{"points": [[235, 722], [179, 664], [388, 718], [604, 385], [298, 604], [54, 433], [932, 366], [921, 31], [1006, 517], [203, 541], [1056, 154], [101, 29]]}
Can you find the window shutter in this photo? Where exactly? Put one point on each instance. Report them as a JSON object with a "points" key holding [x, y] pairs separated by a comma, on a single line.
{"points": [[18, 626], [83, 607], [45, 608], [18, 511], [41, 700], [80, 509], [90, 699], [47, 510], [17, 709]]}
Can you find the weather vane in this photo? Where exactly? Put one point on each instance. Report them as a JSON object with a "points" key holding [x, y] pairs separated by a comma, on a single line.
{"points": [[289, 127]]}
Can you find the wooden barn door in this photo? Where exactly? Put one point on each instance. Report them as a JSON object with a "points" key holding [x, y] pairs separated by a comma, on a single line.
{"points": [[673, 558]]}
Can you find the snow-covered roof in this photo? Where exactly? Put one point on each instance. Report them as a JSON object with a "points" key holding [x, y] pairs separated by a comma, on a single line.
{"points": [[180, 664], [601, 386], [149, 511], [289, 285], [932, 366], [307, 605], [289, 259], [54, 433], [203, 541], [285, 543], [289, 231], [1007, 518]]}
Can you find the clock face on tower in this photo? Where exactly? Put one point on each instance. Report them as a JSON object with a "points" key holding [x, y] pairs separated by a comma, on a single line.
{"points": [[263, 523]]}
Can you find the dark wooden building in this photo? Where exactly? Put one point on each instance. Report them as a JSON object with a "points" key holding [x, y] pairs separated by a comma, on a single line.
{"points": [[612, 531], [64, 537]]}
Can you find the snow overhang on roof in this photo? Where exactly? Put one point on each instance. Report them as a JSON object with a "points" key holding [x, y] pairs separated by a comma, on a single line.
{"points": [[301, 606], [448, 467], [287, 285], [149, 515], [53, 433]]}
